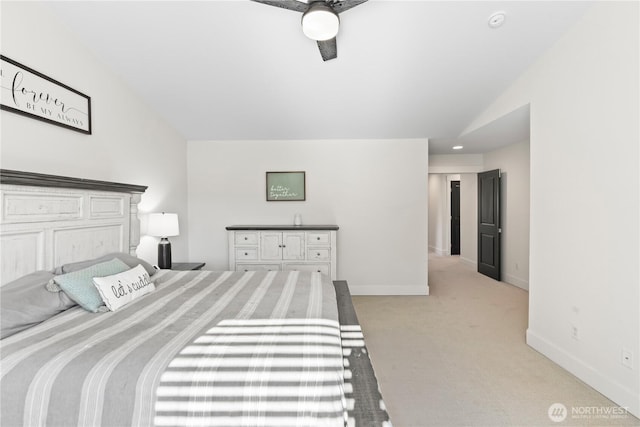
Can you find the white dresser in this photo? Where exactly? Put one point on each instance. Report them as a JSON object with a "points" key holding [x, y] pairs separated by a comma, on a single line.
{"points": [[283, 247]]}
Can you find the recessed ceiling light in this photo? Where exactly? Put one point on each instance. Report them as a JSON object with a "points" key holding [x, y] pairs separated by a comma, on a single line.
{"points": [[458, 147], [497, 19]]}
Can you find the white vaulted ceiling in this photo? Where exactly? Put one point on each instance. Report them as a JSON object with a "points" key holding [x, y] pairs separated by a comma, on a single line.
{"points": [[242, 70]]}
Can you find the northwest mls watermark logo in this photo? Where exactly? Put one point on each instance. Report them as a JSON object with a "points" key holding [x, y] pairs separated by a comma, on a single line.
{"points": [[558, 412]]}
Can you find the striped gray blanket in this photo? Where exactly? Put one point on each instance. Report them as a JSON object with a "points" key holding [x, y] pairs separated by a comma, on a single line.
{"points": [[204, 349]]}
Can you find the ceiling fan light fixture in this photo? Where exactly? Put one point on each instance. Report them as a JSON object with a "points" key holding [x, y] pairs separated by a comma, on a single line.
{"points": [[320, 22]]}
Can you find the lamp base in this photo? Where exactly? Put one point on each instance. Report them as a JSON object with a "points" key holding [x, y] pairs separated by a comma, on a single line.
{"points": [[164, 253]]}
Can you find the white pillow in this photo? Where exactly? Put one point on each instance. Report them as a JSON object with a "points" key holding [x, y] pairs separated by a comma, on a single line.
{"points": [[119, 289]]}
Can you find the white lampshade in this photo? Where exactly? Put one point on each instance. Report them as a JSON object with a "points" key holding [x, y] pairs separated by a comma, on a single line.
{"points": [[163, 225], [320, 22]]}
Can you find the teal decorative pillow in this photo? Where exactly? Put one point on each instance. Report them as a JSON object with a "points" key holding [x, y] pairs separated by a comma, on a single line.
{"points": [[79, 286]]}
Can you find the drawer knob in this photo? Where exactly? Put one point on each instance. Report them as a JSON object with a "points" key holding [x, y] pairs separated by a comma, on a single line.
{"points": [[318, 238], [246, 238], [246, 253], [318, 254]]}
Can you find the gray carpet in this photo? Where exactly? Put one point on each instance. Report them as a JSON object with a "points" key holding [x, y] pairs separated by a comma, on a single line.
{"points": [[458, 357]]}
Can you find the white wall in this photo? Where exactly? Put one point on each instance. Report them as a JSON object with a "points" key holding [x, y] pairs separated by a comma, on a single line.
{"points": [[130, 143], [513, 162], [469, 218], [585, 191], [375, 191], [455, 163]]}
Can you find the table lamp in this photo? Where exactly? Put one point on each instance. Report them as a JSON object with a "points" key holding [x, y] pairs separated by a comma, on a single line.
{"points": [[163, 225]]}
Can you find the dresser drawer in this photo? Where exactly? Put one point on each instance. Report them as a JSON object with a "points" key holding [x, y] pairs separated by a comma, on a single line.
{"points": [[319, 254], [257, 267], [246, 254], [321, 268], [246, 238], [318, 238]]}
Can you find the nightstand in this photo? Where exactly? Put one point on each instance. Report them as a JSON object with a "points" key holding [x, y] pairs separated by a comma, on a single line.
{"points": [[187, 265]]}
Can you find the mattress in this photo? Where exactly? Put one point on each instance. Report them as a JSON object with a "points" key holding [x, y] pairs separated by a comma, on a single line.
{"points": [[205, 348]]}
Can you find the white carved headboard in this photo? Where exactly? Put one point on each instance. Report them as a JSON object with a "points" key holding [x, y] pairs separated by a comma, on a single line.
{"points": [[48, 220]]}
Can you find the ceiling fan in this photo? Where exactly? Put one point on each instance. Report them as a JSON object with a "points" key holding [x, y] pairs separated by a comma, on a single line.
{"points": [[320, 20]]}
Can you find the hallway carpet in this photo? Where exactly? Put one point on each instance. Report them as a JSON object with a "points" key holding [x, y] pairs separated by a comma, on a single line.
{"points": [[458, 358]]}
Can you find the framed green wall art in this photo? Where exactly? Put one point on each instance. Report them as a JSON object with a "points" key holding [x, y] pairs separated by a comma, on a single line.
{"points": [[286, 186]]}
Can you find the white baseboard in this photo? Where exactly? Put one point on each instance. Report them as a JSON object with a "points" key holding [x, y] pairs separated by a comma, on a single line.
{"points": [[439, 251], [469, 262], [515, 281], [389, 290], [506, 277], [621, 395]]}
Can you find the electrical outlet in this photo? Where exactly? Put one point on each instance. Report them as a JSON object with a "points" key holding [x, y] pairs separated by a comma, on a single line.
{"points": [[627, 358], [575, 334]]}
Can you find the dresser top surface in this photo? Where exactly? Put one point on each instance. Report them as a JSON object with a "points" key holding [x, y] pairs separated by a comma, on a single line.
{"points": [[282, 227]]}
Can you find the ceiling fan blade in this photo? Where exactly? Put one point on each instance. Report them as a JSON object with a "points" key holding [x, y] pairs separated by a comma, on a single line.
{"points": [[341, 6], [328, 49], [296, 5]]}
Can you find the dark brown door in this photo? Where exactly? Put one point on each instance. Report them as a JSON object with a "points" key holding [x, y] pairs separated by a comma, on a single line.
{"points": [[489, 223], [455, 217]]}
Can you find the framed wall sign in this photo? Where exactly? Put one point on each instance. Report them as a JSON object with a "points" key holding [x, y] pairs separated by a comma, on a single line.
{"points": [[30, 93], [285, 186]]}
